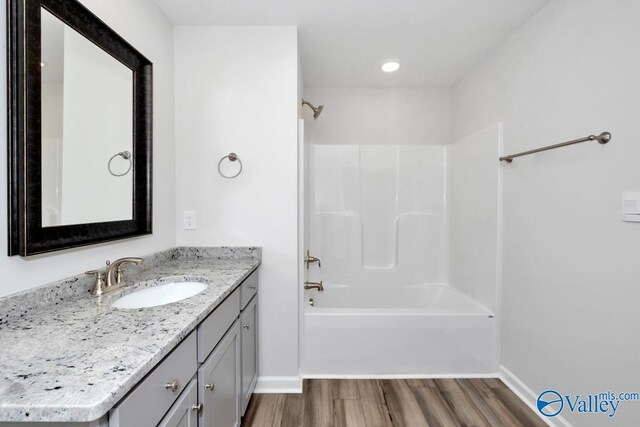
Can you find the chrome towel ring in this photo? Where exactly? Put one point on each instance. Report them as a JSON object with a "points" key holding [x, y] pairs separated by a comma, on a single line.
{"points": [[232, 157], [125, 155]]}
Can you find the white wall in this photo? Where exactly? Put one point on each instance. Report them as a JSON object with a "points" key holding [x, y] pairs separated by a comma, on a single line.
{"points": [[380, 116], [303, 203], [475, 221], [142, 24], [237, 91], [571, 291]]}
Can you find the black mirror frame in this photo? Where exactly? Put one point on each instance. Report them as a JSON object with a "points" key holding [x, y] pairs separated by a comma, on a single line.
{"points": [[26, 234]]}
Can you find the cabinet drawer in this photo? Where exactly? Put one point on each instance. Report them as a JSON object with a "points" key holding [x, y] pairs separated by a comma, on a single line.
{"points": [[248, 289], [153, 396], [213, 328]]}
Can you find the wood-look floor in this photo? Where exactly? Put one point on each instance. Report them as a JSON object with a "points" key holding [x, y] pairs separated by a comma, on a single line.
{"points": [[392, 403]]}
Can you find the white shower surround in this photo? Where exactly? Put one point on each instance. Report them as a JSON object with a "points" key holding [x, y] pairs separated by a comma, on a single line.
{"points": [[379, 223], [377, 214]]}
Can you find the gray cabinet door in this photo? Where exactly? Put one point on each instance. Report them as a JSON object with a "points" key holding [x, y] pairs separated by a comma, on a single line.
{"points": [[219, 382], [184, 413], [249, 321]]}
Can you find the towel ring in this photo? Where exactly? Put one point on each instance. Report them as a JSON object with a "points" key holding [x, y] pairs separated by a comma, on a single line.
{"points": [[232, 157], [125, 155]]}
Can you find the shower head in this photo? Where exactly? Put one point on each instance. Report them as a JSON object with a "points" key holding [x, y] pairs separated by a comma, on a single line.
{"points": [[316, 110]]}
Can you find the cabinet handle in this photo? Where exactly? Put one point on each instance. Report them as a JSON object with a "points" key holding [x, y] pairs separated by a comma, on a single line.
{"points": [[173, 386], [210, 387], [245, 326], [197, 407], [252, 286]]}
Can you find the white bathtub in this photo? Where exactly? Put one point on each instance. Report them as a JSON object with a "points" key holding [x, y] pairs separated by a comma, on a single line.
{"points": [[413, 331]]}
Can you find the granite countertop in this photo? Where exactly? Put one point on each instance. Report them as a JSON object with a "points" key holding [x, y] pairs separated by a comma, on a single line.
{"points": [[73, 358]]}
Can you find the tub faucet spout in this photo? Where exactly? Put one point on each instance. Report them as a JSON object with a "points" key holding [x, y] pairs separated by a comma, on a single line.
{"points": [[314, 285]]}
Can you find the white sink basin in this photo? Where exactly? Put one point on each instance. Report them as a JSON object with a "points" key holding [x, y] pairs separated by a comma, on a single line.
{"points": [[160, 295]]}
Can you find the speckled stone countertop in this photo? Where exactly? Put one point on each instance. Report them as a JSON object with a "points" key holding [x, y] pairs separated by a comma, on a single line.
{"points": [[68, 356]]}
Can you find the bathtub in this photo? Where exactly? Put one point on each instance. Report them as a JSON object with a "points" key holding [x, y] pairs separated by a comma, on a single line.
{"points": [[391, 331]]}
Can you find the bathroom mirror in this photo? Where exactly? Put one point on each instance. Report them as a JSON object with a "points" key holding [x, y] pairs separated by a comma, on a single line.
{"points": [[79, 130]]}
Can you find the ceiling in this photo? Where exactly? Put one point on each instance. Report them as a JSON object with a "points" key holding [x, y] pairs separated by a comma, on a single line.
{"points": [[344, 42]]}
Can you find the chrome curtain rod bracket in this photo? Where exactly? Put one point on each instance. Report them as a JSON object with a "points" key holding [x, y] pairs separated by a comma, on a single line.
{"points": [[603, 138]]}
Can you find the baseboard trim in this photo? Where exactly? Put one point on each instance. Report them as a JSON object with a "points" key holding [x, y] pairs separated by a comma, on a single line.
{"points": [[279, 385], [527, 395], [395, 376]]}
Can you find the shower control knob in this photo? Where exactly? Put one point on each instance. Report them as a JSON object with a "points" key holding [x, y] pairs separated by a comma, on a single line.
{"points": [[308, 259]]}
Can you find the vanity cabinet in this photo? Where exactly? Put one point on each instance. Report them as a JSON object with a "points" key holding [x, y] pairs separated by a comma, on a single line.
{"points": [[184, 413], [219, 382], [249, 321], [248, 289], [153, 396], [214, 327], [208, 379]]}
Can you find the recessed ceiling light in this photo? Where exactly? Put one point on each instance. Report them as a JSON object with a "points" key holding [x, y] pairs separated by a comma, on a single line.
{"points": [[43, 64], [390, 66]]}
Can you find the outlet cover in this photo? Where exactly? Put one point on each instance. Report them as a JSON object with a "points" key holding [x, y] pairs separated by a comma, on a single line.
{"points": [[190, 220]]}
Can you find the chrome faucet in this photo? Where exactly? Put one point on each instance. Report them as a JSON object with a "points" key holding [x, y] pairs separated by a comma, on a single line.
{"points": [[308, 259], [112, 277], [314, 285]]}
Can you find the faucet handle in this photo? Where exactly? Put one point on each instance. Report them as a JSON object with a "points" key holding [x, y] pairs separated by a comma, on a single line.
{"points": [[308, 259], [100, 284], [97, 273]]}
